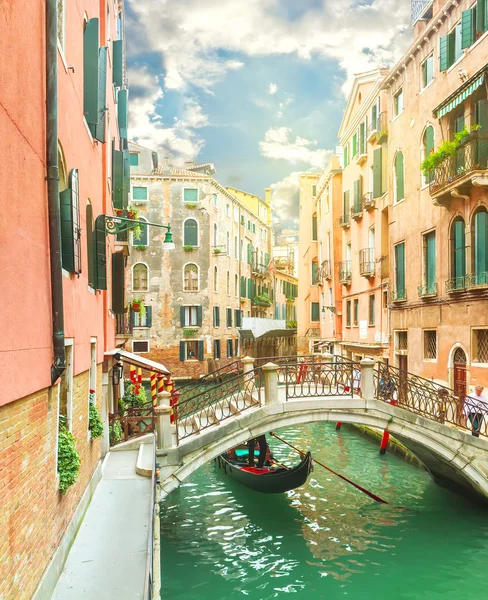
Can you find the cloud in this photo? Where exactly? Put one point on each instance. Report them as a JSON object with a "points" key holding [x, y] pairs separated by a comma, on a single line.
{"points": [[273, 88], [278, 144], [285, 201]]}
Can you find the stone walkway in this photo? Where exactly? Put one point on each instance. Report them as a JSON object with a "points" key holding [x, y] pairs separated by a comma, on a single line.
{"points": [[108, 558]]}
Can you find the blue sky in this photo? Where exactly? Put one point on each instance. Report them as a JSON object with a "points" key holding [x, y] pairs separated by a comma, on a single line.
{"points": [[255, 86]]}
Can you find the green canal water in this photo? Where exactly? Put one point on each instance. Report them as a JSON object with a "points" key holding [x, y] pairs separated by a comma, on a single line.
{"points": [[325, 540]]}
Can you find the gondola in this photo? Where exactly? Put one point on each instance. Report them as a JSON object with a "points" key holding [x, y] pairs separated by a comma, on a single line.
{"points": [[267, 480]]}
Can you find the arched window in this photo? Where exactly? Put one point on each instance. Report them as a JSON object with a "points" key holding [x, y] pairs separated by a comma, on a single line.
{"points": [[427, 148], [190, 233], [62, 170], [190, 278], [216, 277], [458, 254], [140, 276], [215, 236], [479, 230], [228, 283], [140, 237], [399, 177], [315, 272]]}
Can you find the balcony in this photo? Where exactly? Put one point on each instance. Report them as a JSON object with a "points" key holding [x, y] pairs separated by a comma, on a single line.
{"points": [[421, 9], [123, 325], [345, 221], [378, 129], [362, 155], [326, 270], [399, 295], [456, 175], [367, 262], [345, 272], [262, 300], [477, 280], [456, 284], [427, 291], [357, 210], [368, 201], [259, 270]]}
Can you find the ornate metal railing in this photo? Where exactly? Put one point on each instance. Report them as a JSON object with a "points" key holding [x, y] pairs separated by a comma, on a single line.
{"points": [[427, 290], [326, 269], [399, 295], [357, 209], [258, 269], [366, 262], [344, 220], [215, 378], [456, 284], [130, 423], [474, 280], [431, 400], [471, 156], [217, 404], [418, 9], [345, 273], [303, 380], [378, 128], [368, 201], [123, 324]]}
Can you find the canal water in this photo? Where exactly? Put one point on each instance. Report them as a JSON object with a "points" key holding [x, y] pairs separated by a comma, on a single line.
{"points": [[325, 540]]}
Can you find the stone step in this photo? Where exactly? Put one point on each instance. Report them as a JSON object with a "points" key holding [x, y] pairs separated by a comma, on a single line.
{"points": [[145, 460]]}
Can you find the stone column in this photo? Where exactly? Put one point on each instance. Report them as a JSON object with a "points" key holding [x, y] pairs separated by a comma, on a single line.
{"points": [[163, 421], [270, 371], [248, 364], [367, 378]]}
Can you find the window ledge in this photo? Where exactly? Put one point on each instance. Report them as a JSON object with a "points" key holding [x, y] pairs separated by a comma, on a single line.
{"points": [[63, 57], [485, 34], [430, 360], [398, 202], [397, 116], [455, 64], [477, 364], [88, 129], [426, 87]]}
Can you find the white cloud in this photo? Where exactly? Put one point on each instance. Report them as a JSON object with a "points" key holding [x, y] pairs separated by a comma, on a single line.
{"points": [[279, 144], [285, 200], [273, 88]]}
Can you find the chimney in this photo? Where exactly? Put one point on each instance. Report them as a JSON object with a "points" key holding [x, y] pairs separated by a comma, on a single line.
{"points": [[189, 164]]}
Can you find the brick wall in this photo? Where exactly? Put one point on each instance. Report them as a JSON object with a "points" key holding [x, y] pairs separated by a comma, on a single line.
{"points": [[34, 515]]}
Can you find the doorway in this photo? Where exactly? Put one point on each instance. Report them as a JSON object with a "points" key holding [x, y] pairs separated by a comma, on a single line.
{"points": [[460, 378], [403, 378]]}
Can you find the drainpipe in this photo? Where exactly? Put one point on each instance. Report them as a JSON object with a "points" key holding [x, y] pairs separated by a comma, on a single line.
{"points": [[52, 178]]}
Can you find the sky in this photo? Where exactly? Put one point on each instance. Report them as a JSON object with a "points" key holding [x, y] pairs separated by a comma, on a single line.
{"points": [[257, 87]]}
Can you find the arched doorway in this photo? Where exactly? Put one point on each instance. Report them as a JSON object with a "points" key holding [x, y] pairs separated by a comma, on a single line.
{"points": [[460, 366]]}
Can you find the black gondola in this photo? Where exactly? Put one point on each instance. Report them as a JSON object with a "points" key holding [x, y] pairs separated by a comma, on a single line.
{"points": [[266, 480]]}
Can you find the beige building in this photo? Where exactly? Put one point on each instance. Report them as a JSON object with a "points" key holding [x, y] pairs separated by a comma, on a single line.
{"points": [[439, 223]]}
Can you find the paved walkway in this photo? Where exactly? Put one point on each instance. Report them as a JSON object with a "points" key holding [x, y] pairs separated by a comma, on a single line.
{"points": [[108, 558]]}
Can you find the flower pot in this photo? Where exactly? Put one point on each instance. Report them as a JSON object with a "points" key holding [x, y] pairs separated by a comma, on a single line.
{"points": [[131, 214], [136, 307], [119, 212]]}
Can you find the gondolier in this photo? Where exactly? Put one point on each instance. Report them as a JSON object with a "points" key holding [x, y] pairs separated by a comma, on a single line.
{"points": [[476, 409]]}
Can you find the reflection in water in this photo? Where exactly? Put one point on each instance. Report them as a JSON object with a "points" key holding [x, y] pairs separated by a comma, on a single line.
{"points": [[326, 539]]}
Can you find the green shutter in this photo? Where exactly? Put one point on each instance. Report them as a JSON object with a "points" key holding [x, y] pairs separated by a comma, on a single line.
{"points": [[481, 16], [118, 284], [182, 351], [200, 350], [249, 288], [400, 176], [357, 195], [182, 316], [431, 260], [429, 140], [123, 118], [190, 233], [346, 207], [243, 287], [89, 243], [134, 157], [451, 48], [70, 225], [253, 288], [354, 144], [482, 114], [400, 269], [481, 242], [266, 259], [117, 178], [118, 63], [459, 248], [362, 148], [374, 118], [91, 43], [98, 130], [199, 316], [314, 228], [126, 178], [467, 27], [100, 252], [315, 311], [345, 157], [377, 173], [443, 53]]}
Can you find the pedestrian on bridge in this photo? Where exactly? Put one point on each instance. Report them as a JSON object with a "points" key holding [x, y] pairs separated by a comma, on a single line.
{"points": [[476, 408]]}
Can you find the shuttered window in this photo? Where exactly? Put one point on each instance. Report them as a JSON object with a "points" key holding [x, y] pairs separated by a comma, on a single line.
{"points": [[70, 225], [118, 283], [314, 228], [139, 320], [377, 173], [190, 278], [400, 270], [481, 245], [399, 177], [354, 145], [481, 16], [91, 43], [250, 253], [362, 139], [346, 204], [236, 347], [243, 287], [427, 71], [315, 273], [429, 262], [123, 120], [238, 317], [216, 316], [100, 254], [120, 178], [229, 317], [89, 243], [98, 129], [372, 309], [217, 349], [481, 115], [191, 316], [346, 156], [190, 233], [118, 63], [229, 349], [358, 185], [314, 311], [190, 195], [140, 277], [458, 245], [468, 27], [348, 313]]}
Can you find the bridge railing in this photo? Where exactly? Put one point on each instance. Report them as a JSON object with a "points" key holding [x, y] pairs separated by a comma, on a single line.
{"points": [[304, 379], [130, 423], [217, 403], [429, 399], [216, 377]]}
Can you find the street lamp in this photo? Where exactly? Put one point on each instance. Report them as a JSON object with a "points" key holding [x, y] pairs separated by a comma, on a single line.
{"points": [[113, 224], [168, 243]]}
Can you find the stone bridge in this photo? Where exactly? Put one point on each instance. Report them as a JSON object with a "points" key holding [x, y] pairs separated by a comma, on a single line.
{"points": [[452, 455]]}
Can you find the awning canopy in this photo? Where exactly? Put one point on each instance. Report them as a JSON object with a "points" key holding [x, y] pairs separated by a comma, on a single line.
{"points": [[455, 99], [138, 361], [255, 328]]}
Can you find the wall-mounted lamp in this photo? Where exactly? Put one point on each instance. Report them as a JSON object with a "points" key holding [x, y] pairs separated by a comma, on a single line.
{"points": [[117, 373]]}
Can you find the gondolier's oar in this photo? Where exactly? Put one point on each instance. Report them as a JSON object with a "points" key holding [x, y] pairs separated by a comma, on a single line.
{"points": [[360, 488]]}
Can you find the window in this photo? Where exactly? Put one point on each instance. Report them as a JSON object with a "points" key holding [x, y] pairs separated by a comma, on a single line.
{"points": [[190, 195], [314, 190], [139, 320], [400, 292], [315, 272], [480, 17], [140, 236], [94, 80], [236, 286], [139, 194], [354, 145], [429, 275], [236, 247], [229, 317], [398, 103], [190, 316], [346, 155], [134, 159], [216, 345], [215, 236], [216, 316], [229, 348], [192, 350], [227, 210], [377, 173], [458, 254], [228, 283], [346, 207], [430, 344], [236, 347], [190, 232], [70, 225], [427, 148], [61, 23], [216, 279], [480, 345], [140, 346], [140, 277], [356, 312], [190, 278], [89, 243], [215, 200], [480, 247], [238, 317], [66, 388], [314, 312], [401, 340], [451, 47], [227, 244], [427, 70], [314, 228], [372, 309], [348, 313], [399, 177]]}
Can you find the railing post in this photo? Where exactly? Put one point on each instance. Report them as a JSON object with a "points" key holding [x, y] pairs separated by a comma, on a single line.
{"points": [[248, 376], [367, 378], [163, 421], [270, 371], [247, 364]]}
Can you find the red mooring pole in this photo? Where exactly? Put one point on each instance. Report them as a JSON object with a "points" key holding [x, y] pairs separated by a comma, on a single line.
{"points": [[384, 442], [338, 426]]}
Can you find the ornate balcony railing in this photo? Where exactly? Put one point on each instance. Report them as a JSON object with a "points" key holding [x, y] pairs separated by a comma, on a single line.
{"points": [[475, 280], [262, 300], [345, 272], [368, 201], [345, 220], [419, 8], [427, 290], [399, 295], [123, 324], [456, 284], [378, 128], [326, 269], [357, 209], [366, 262], [457, 170], [258, 269]]}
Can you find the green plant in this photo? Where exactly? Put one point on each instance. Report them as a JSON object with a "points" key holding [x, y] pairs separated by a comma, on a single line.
{"points": [[381, 136], [140, 247], [68, 459], [131, 399], [95, 424], [137, 305], [115, 432], [446, 149], [291, 324], [290, 299], [189, 332], [190, 205], [188, 248], [243, 300], [217, 250]]}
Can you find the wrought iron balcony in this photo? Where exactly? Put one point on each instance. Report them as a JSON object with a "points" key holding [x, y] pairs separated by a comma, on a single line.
{"points": [[456, 284], [345, 272], [262, 300], [326, 269], [258, 269], [357, 210], [123, 324], [378, 129], [457, 174], [368, 201], [366, 262], [477, 280], [345, 220], [399, 295], [421, 8], [425, 291]]}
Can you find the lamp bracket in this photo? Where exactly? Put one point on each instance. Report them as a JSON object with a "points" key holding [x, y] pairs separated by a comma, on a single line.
{"points": [[115, 224]]}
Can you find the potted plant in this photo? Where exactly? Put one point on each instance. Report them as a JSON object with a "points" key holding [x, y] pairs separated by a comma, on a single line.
{"points": [[446, 149], [95, 424], [68, 458], [189, 332], [137, 305], [119, 212], [217, 250], [140, 247], [188, 248], [132, 213], [243, 300]]}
